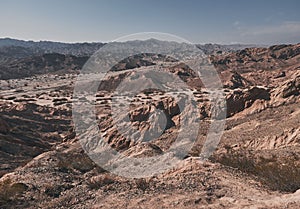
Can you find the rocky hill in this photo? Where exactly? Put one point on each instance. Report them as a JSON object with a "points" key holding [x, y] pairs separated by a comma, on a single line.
{"points": [[41, 64]]}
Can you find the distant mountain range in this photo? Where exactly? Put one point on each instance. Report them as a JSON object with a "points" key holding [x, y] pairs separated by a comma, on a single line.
{"points": [[77, 49], [219, 48], [25, 48]]}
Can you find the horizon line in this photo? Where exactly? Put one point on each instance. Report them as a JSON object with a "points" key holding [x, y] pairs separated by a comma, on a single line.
{"points": [[104, 42]]}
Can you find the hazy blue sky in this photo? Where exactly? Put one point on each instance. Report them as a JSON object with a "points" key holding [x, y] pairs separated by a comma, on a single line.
{"points": [[216, 21]]}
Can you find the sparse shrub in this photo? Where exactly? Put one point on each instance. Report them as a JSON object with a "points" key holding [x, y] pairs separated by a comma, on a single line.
{"points": [[55, 190], [282, 175], [97, 182], [142, 184], [79, 162], [10, 190]]}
